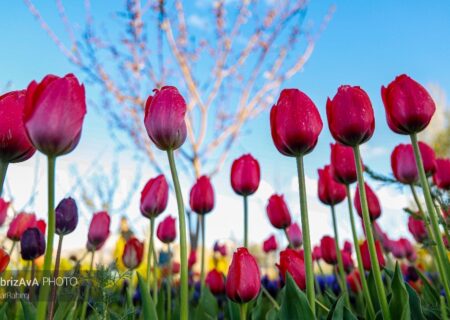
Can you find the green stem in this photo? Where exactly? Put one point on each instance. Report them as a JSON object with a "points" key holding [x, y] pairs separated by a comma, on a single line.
{"points": [[339, 258], [245, 221], [443, 308], [55, 275], [271, 299], [3, 169], [12, 248], [370, 240], [184, 307], [441, 219], [287, 237], [362, 273], [130, 291], [32, 276], [88, 289], [202, 266], [44, 293], [441, 252], [306, 236], [169, 287], [151, 252], [244, 307]]}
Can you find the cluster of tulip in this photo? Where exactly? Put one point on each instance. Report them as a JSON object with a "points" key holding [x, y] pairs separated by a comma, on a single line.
{"points": [[48, 117]]}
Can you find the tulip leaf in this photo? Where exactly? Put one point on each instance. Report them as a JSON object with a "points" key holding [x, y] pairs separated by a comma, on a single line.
{"points": [[399, 302], [295, 305], [272, 315], [233, 310], [29, 310], [3, 311], [430, 295], [373, 291], [160, 305], [207, 306], [415, 304], [63, 309], [261, 308], [339, 311], [148, 307]]}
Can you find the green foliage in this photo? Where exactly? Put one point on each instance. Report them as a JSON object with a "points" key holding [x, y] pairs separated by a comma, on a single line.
{"points": [[399, 302], [207, 307], [340, 312], [148, 307], [295, 304]]}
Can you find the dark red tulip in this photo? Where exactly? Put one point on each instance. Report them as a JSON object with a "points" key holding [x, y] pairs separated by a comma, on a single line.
{"points": [[54, 113], [270, 244], [4, 205], [343, 166], [14, 143], [133, 253], [32, 244], [441, 177], [201, 198], [245, 175], [166, 231], [330, 192], [347, 261], [244, 279], [220, 248], [19, 224], [278, 212], [99, 230], [215, 282], [398, 250], [192, 258], [348, 247], [372, 201], [366, 256], [41, 225], [4, 260], [292, 262], [350, 116], [410, 253], [154, 197], [418, 229], [66, 214], [316, 253], [409, 107], [295, 235], [403, 164], [354, 281], [176, 267], [295, 123], [164, 118], [328, 250]]}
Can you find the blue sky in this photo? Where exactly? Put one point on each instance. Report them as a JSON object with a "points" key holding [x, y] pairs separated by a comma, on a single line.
{"points": [[366, 43]]}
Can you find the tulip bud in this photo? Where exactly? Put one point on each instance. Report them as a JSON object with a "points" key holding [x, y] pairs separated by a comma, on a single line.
{"points": [[354, 281], [403, 164], [397, 249], [244, 280], [295, 123], [215, 282], [19, 224], [133, 253], [330, 192], [166, 231], [409, 107], [54, 113], [201, 197], [418, 229], [221, 248], [366, 256], [66, 214], [295, 235], [350, 116], [4, 205], [32, 244], [14, 143], [270, 244], [343, 166], [441, 178], [154, 197], [192, 258], [410, 253], [278, 212], [98, 230], [245, 175], [292, 262], [372, 202], [328, 250], [347, 261], [348, 247], [4, 260], [164, 118], [317, 253]]}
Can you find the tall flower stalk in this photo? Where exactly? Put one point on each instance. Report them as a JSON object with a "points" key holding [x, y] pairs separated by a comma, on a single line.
{"points": [[3, 169]]}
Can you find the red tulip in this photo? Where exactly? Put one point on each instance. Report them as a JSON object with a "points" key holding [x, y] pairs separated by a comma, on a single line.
{"points": [[245, 175], [41, 225], [278, 212], [409, 249], [14, 143], [166, 231], [4, 205], [292, 262], [4, 260], [372, 201], [348, 247], [418, 229], [403, 164], [99, 230], [328, 250], [397, 249], [350, 116], [175, 267], [366, 256], [441, 178], [330, 192], [215, 282], [270, 244], [347, 261], [202, 196], [19, 224], [154, 197], [164, 118], [428, 158], [295, 123], [343, 166], [354, 281], [317, 253], [54, 113], [192, 258], [133, 253], [295, 235], [244, 280], [409, 107]]}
